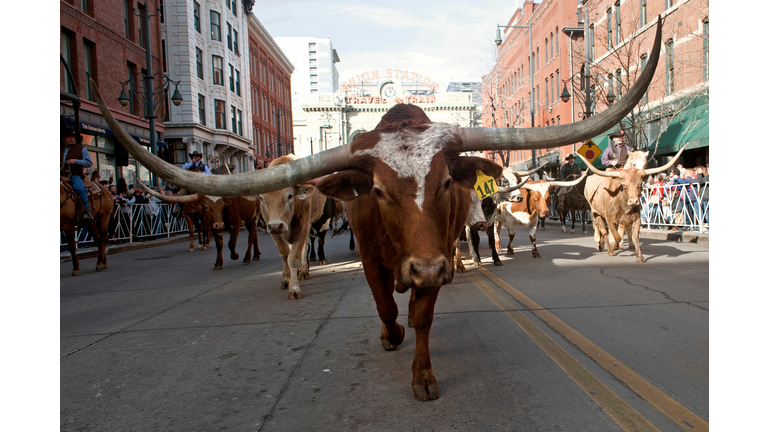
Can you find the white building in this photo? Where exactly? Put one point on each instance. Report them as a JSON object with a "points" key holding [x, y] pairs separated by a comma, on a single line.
{"points": [[206, 48], [315, 73]]}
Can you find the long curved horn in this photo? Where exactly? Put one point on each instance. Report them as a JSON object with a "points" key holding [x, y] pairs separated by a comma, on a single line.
{"points": [[508, 189], [615, 174], [560, 183], [668, 165], [180, 199], [482, 139], [251, 183], [521, 174]]}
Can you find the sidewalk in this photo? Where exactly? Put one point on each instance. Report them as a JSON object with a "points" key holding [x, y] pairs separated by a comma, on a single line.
{"points": [[647, 233]]}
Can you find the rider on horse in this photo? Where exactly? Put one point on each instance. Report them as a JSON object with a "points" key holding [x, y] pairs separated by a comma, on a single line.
{"points": [[74, 161]]}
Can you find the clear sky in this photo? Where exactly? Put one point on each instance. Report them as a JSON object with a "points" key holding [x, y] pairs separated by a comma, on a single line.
{"points": [[444, 40]]}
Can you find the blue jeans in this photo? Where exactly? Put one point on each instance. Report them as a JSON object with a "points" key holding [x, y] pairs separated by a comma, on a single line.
{"points": [[77, 183]]}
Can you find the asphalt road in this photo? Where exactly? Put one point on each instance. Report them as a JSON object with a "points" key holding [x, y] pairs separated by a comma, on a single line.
{"points": [[573, 341]]}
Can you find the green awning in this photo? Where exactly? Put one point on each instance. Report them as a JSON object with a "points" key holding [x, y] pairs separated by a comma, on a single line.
{"points": [[690, 126]]}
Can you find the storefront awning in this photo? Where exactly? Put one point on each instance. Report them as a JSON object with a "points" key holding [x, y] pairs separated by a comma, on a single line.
{"points": [[689, 126]]}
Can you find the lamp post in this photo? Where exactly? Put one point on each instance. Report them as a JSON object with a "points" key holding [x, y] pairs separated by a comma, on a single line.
{"points": [[150, 97], [498, 41]]}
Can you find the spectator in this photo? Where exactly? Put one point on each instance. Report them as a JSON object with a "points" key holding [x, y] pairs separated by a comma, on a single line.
{"points": [[138, 197], [96, 176], [703, 180], [196, 163]]}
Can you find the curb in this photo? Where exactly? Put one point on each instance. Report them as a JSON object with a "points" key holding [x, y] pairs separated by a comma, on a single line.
{"points": [[657, 234]]}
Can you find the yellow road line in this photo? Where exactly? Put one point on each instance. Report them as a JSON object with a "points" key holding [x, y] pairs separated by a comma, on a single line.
{"points": [[621, 412], [679, 414]]}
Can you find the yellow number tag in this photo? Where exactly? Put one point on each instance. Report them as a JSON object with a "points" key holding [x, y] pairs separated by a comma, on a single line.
{"points": [[485, 185]]}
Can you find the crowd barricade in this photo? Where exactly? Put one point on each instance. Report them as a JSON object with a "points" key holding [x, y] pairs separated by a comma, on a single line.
{"points": [[677, 206], [137, 222]]}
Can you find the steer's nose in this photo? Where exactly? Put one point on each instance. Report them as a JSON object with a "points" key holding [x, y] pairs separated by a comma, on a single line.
{"points": [[427, 272], [633, 202], [218, 226], [480, 226], [275, 227]]}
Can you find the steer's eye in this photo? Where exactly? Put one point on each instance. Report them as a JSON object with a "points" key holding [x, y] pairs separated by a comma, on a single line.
{"points": [[290, 197], [448, 183], [378, 192]]}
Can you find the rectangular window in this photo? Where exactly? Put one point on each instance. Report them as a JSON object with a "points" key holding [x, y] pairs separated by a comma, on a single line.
{"points": [[234, 42], [609, 28], [84, 6], [229, 36], [312, 47], [643, 61], [240, 122], [201, 108], [618, 84], [199, 62], [237, 82], [218, 70], [221, 117], [667, 4], [670, 57], [127, 14], [215, 26], [592, 43], [142, 42], [196, 14], [66, 52], [131, 87], [234, 119], [89, 60], [643, 13], [705, 37], [234, 7], [231, 78], [617, 19]]}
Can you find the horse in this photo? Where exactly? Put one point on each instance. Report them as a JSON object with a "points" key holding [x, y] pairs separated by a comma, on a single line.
{"points": [[573, 203], [69, 216]]}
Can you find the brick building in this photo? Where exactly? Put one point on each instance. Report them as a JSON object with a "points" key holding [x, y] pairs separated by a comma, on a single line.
{"points": [[104, 40], [619, 39], [270, 87]]}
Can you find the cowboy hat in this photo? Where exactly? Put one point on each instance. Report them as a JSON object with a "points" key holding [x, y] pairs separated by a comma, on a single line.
{"points": [[570, 156], [617, 133], [196, 154]]}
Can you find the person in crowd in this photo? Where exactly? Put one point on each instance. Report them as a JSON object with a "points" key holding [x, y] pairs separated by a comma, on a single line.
{"points": [[96, 176], [196, 163], [615, 155], [74, 160], [138, 197], [703, 180]]}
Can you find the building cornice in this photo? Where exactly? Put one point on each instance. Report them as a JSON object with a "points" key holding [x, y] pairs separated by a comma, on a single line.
{"points": [[268, 42]]}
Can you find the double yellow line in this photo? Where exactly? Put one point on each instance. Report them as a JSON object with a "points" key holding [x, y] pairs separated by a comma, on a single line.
{"points": [[626, 416]]}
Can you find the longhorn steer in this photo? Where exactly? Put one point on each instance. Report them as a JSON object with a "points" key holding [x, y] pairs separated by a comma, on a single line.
{"points": [[288, 213], [614, 200], [407, 190], [222, 214]]}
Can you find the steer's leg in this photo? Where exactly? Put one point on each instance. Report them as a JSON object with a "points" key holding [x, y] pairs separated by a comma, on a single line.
{"points": [[382, 283], [635, 239], [492, 240], [312, 256], [475, 236], [234, 231], [511, 231], [191, 225], [612, 230], [218, 238], [321, 247], [424, 383], [252, 242], [459, 263], [285, 250], [100, 234], [532, 237]]}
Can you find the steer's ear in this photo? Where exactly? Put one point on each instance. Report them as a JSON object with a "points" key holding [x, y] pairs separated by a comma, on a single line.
{"points": [[345, 185], [464, 170], [304, 190]]}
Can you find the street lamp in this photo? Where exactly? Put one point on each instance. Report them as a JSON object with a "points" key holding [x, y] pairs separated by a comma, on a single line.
{"points": [[149, 96], [589, 93], [498, 41]]}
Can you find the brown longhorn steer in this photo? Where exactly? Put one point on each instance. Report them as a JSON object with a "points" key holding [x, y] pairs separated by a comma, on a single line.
{"points": [[407, 193], [526, 212], [289, 212], [614, 200], [101, 209], [223, 214]]}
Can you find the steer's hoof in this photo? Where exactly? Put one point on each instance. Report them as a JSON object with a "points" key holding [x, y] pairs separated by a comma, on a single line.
{"points": [[100, 267], [304, 276], [323, 262], [391, 342], [234, 256], [246, 261], [75, 272], [217, 267], [425, 386], [640, 259], [536, 255], [497, 263], [284, 285], [294, 295]]}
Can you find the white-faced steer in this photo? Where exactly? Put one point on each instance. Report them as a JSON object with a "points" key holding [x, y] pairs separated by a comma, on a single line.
{"points": [[407, 191]]}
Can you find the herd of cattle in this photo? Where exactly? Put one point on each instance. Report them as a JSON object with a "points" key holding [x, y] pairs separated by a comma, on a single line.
{"points": [[408, 194]]}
